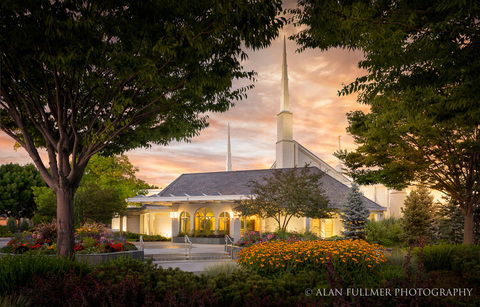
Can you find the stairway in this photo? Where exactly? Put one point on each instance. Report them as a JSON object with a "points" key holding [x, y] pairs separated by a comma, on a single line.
{"points": [[193, 256]]}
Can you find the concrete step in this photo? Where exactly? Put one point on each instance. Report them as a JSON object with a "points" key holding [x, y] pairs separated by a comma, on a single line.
{"points": [[193, 256]]}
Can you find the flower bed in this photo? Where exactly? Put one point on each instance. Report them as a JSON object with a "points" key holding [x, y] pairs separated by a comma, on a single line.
{"points": [[89, 239], [349, 255], [253, 237]]}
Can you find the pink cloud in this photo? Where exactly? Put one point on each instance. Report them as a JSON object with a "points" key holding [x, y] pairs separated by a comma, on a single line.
{"points": [[319, 117]]}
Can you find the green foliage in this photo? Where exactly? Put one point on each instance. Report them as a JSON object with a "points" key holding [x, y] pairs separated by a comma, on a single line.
{"points": [[46, 202], [418, 216], [439, 257], [16, 195], [21, 270], [24, 226], [11, 225], [450, 221], [221, 268], [4, 232], [98, 204], [386, 232], [421, 71], [407, 46], [354, 215], [136, 237], [83, 78], [287, 193], [466, 261]]}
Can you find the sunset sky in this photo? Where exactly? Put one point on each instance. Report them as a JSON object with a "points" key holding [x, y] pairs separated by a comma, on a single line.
{"points": [[319, 117]]}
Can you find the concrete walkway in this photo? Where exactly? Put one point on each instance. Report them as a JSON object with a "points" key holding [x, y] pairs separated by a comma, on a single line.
{"points": [[167, 248], [196, 266]]}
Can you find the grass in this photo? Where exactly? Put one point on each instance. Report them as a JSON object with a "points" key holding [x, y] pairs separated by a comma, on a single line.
{"points": [[226, 268]]}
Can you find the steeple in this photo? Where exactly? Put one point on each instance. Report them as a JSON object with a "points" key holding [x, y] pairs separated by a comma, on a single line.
{"points": [[285, 147], [285, 97], [339, 164], [229, 152]]}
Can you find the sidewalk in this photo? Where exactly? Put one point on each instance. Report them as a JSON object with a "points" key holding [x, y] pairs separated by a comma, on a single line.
{"points": [[195, 266]]}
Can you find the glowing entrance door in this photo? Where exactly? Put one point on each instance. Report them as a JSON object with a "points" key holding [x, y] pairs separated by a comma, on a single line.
{"points": [[224, 223], [184, 223]]}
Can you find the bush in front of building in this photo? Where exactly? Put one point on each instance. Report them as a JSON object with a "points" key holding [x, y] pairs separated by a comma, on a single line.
{"points": [[131, 236], [386, 232]]}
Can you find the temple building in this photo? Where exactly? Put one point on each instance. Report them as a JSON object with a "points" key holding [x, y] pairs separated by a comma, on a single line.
{"points": [[204, 201]]}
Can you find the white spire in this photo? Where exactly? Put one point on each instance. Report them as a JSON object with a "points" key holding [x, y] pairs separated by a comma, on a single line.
{"points": [[229, 152], [285, 97], [339, 164]]}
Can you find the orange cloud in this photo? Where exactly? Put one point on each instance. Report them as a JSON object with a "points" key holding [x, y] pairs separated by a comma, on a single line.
{"points": [[318, 113]]}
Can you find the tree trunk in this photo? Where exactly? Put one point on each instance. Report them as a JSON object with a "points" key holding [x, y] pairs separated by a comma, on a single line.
{"points": [[65, 224], [468, 226]]}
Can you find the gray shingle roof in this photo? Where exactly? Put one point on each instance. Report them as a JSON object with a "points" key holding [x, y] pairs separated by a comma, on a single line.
{"points": [[236, 183]]}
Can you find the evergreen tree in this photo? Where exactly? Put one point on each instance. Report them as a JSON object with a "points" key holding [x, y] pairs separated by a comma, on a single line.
{"points": [[450, 221], [354, 215], [418, 215]]}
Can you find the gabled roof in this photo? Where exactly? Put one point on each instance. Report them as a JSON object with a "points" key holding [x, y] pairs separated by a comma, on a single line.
{"points": [[218, 184]]}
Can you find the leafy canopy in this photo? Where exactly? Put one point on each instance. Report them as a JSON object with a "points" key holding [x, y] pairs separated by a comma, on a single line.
{"points": [[430, 44], [81, 77], [287, 193], [16, 190], [422, 63]]}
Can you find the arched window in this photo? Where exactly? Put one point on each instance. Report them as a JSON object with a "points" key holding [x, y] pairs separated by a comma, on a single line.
{"points": [[224, 223], [204, 221], [185, 222]]}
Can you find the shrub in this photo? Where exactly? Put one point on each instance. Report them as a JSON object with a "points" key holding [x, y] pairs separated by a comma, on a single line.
{"points": [[386, 232], [20, 270], [221, 267], [24, 226], [70, 289], [11, 225], [439, 257], [47, 230], [147, 238], [4, 231], [466, 261]]}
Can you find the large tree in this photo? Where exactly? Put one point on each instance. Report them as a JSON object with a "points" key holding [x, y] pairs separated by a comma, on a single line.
{"points": [[81, 77], [287, 193], [421, 81], [16, 190]]}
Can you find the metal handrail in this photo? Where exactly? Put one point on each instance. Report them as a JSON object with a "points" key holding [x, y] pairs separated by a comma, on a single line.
{"points": [[187, 241], [228, 238]]}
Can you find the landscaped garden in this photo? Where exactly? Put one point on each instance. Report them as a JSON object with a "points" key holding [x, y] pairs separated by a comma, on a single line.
{"points": [[295, 272], [89, 239]]}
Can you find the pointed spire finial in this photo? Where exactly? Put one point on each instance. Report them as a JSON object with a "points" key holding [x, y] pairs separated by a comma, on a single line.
{"points": [[339, 163], [229, 152], [285, 97]]}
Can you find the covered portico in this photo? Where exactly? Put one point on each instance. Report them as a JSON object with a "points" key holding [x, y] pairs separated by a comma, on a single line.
{"points": [[173, 215]]}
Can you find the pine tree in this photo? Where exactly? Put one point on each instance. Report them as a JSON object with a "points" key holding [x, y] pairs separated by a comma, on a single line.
{"points": [[354, 215], [418, 215], [450, 219]]}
